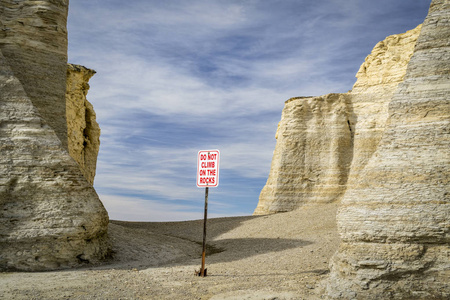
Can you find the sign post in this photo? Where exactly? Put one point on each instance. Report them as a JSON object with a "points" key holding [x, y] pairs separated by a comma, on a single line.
{"points": [[205, 217], [207, 176]]}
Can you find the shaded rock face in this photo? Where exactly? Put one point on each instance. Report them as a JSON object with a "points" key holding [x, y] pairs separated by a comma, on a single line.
{"points": [[33, 39], [394, 219], [83, 132], [312, 154], [50, 215], [320, 140]]}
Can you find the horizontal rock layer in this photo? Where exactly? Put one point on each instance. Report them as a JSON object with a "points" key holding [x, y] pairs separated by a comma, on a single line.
{"points": [[50, 216], [394, 219], [33, 39], [312, 154], [378, 79]]}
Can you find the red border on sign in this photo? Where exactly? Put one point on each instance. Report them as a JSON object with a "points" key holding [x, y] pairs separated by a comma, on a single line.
{"points": [[216, 177]]}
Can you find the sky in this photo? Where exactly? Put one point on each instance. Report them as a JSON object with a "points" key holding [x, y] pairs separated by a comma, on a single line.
{"points": [[176, 77]]}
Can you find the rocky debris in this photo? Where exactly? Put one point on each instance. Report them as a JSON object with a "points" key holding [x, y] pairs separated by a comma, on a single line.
{"points": [[83, 132], [312, 154], [50, 215]]}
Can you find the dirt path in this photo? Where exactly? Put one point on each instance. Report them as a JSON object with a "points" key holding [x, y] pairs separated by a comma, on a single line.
{"points": [[282, 256]]}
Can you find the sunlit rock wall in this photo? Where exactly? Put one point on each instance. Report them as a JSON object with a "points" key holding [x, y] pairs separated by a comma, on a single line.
{"points": [[50, 215], [319, 142], [394, 219], [377, 80], [82, 128], [312, 154]]}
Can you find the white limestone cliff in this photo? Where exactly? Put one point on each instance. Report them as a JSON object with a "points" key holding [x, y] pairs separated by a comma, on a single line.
{"points": [[312, 154], [394, 219], [394, 216], [322, 143], [50, 215]]}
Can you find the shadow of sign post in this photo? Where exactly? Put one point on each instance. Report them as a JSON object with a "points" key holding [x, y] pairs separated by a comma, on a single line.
{"points": [[207, 176]]}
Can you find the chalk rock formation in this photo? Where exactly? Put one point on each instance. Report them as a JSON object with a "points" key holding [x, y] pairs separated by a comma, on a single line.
{"points": [[34, 43], [378, 78], [50, 215], [321, 136], [312, 154], [82, 127], [394, 219]]}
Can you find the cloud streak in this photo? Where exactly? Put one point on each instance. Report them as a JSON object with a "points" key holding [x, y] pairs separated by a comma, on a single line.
{"points": [[175, 77]]}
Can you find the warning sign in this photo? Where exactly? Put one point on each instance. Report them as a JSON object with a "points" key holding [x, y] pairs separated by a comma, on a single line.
{"points": [[208, 168]]}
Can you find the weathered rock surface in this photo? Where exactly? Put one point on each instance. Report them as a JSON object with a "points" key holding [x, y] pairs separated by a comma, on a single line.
{"points": [[82, 128], [320, 138], [34, 43], [394, 219], [378, 79], [50, 215], [312, 154]]}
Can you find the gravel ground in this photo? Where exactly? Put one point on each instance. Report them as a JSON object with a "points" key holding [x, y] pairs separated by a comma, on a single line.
{"points": [[281, 256]]}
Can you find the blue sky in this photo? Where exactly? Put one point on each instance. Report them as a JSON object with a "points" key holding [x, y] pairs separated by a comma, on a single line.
{"points": [[176, 77]]}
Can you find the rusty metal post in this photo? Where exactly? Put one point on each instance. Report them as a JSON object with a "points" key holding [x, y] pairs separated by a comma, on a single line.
{"points": [[203, 270]]}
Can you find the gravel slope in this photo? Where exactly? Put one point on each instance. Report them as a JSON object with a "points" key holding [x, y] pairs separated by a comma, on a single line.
{"points": [[281, 256]]}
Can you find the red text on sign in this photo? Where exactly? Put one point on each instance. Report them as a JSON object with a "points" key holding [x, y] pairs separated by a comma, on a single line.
{"points": [[208, 168]]}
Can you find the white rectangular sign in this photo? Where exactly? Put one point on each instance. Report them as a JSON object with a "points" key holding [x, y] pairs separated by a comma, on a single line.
{"points": [[208, 168]]}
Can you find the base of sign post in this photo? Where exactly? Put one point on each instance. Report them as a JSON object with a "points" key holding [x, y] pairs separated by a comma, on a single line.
{"points": [[199, 273]]}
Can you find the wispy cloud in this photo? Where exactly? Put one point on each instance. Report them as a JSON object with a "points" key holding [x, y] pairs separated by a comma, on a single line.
{"points": [[174, 77]]}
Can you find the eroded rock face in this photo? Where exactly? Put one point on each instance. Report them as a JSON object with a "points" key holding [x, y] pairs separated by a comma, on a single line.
{"points": [[377, 81], [394, 219], [320, 138], [50, 215], [312, 154], [33, 39], [82, 128]]}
